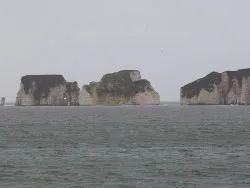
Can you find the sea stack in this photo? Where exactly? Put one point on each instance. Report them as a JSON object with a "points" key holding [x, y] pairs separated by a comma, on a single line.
{"points": [[38, 90], [119, 88], [229, 87], [2, 101]]}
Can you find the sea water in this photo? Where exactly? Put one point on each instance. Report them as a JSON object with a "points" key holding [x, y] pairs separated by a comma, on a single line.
{"points": [[126, 146]]}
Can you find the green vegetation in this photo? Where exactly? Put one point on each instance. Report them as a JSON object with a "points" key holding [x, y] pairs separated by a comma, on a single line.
{"points": [[193, 89], [90, 87], [239, 74], [118, 84], [141, 85], [42, 83]]}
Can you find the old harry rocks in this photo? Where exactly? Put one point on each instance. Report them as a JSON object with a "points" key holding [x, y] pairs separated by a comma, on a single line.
{"points": [[37, 90], [119, 88]]}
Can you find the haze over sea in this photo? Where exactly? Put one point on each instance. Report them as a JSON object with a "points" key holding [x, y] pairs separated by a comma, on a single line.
{"points": [[125, 146]]}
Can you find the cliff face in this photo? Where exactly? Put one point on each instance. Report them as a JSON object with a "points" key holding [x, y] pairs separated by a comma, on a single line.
{"points": [[230, 87], [47, 90], [123, 87]]}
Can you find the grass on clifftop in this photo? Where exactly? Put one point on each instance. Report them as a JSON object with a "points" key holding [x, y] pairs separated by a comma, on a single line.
{"points": [[193, 89], [118, 84], [43, 83], [239, 74]]}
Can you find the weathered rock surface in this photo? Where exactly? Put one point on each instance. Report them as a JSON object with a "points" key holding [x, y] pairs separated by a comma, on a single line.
{"points": [[47, 90], [229, 87], [120, 88]]}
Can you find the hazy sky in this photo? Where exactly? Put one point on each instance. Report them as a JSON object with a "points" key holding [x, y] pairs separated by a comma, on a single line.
{"points": [[172, 42]]}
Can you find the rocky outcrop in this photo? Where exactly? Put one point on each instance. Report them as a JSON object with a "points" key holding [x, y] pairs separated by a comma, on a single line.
{"points": [[229, 87], [47, 90], [2, 101], [119, 88]]}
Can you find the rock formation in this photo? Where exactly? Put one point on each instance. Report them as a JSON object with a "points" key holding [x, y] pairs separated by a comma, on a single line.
{"points": [[2, 101], [229, 87], [118, 88], [47, 90]]}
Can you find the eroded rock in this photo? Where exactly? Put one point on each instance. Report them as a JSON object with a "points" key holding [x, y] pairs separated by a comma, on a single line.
{"points": [[229, 87], [47, 90], [119, 88]]}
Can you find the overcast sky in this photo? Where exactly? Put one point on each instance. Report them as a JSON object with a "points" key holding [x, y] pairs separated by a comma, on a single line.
{"points": [[172, 42]]}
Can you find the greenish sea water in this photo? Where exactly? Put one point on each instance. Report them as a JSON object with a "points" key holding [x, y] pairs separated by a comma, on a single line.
{"points": [[125, 147]]}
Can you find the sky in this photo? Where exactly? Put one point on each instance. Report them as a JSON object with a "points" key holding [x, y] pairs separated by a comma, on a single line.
{"points": [[171, 42]]}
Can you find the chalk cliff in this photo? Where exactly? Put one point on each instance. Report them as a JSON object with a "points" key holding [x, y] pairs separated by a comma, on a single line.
{"points": [[47, 90], [229, 87], [118, 88]]}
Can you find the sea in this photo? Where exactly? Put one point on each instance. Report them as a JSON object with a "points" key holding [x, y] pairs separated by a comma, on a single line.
{"points": [[165, 146]]}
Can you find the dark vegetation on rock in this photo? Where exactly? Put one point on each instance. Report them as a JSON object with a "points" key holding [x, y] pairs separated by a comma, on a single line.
{"points": [[42, 84], [118, 84], [239, 74], [90, 87], [193, 89], [141, 85], [113, 88], [72, 87]]}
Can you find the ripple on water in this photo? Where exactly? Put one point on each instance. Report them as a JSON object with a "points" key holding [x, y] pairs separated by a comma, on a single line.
{"points": [[163, 146]]}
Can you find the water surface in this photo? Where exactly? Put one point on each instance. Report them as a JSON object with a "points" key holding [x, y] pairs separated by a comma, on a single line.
{"points": [[126, 146]]}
